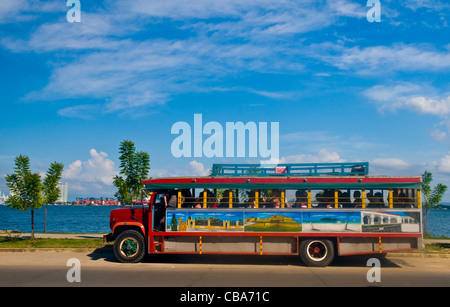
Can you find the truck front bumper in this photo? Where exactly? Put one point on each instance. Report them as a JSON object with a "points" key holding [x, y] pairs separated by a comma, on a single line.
{"points": [[108, 238]]}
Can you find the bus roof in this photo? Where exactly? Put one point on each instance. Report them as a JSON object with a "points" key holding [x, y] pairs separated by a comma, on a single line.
{"points": [[252, 181]]}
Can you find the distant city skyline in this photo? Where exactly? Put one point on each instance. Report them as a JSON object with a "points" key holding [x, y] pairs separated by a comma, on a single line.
{"points": [[64, 191], [341, 88]]}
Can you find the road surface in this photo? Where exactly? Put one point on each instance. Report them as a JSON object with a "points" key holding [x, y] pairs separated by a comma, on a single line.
{"points": [[101, 269]]}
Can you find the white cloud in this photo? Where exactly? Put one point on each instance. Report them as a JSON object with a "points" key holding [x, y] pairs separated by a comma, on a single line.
{"points": [[80, 111], [439, 135], [439, 107], [193, 168], [103, 59], [26, 10], [382, 59], [390, 163], [322, 156], [444, 164], [197, 169], [106, 58], [421, 99], [9, 8], [410, 96], [73, 171], [91, 177], [429, 4]]}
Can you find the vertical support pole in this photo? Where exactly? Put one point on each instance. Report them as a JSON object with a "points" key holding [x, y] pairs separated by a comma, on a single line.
{"points": [[391, 198], [204, 198], [260, 245], [363, 198], [230, 199], [179, 199], [309, 198], [282, 198], [336, 199], [419, 199], [256, 198], [200, 245]]}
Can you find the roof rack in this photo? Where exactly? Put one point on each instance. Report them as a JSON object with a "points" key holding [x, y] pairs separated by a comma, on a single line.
{"points": [[299, 169]]}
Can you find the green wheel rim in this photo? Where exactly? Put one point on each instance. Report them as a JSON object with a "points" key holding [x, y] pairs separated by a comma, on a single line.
{"points": [[129, 247]]}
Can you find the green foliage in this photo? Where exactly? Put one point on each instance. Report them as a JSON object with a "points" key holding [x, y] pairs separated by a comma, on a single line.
{"points": [[432, 197], [25, 187], [27, 191], [134, 168], [51, 189]]}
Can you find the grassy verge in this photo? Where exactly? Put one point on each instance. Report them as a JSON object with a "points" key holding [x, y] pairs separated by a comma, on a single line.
{"points": [[437, 248], [12, 242], [430, 236]]}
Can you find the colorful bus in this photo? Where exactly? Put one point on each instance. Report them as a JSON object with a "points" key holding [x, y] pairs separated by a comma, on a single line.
{"points": [[317, 211]]}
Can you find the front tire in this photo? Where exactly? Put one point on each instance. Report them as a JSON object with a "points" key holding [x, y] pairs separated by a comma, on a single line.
{"points": [[129, 246], [316, 252]]}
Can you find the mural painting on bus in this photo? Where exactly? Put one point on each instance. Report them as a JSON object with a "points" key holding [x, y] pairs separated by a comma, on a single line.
{"points": [[273, 221], [390, 221], [294, 221], [324, 221], [204, 221], [267, 221]]}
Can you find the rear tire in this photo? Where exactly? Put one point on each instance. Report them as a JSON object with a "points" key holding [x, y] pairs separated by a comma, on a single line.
{"points": [[316, 252], [129, 246]]}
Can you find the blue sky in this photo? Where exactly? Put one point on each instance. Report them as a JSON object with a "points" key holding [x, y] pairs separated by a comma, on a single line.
{"points": [[341, 88]]}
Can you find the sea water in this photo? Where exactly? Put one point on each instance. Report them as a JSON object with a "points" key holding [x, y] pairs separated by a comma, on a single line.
{"points": [[60, 219]]}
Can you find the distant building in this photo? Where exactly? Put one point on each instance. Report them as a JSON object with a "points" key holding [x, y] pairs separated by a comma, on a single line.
{"points": [[64, 190], [3, 198]]}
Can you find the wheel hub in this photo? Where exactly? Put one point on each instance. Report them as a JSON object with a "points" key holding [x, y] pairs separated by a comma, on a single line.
{"points": [[129, 247], [317, 251]]}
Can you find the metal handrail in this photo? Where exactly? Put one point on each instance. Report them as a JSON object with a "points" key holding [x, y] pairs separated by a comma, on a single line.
{"points": [[296, 169]]}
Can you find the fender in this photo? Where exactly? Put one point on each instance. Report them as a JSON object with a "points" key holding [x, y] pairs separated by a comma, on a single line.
{"points": [[129, 224]]}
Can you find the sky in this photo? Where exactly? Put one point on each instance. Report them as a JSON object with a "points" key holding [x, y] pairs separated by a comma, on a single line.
{"points": [[341, 88]]}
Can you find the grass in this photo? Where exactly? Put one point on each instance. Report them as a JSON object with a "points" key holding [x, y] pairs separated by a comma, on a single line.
{"points": [[430, 236], [14, 242], [437, 248]]}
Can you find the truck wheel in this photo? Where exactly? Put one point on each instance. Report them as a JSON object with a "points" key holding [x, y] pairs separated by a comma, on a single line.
{"points": [[129, 246], [317, 252]]}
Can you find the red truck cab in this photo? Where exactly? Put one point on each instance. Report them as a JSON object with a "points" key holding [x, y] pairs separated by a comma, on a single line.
{"points": [[129, 228]]}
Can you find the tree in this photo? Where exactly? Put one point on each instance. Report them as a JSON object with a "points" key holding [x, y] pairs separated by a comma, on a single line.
{"points": [[25, 188], [134, 168], [431, 197], [51, 189]]}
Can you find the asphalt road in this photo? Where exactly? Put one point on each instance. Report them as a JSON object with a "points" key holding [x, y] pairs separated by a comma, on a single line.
{"points": [[49, 269]]}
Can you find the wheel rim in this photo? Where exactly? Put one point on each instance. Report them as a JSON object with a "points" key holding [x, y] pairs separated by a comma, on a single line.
{"points": [[317, 251], [129, 247]]}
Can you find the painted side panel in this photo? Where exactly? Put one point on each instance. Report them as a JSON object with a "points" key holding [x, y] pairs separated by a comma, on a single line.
{"points": [[293, 221]]}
